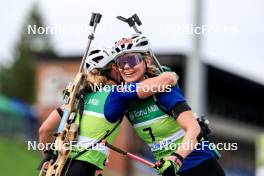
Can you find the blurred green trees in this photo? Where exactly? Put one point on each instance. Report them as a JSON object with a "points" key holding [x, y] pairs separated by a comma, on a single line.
{"points": [[18, 79]]}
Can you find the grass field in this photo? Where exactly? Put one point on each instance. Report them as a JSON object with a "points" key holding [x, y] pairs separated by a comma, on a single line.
{"points": [[15, 160]]}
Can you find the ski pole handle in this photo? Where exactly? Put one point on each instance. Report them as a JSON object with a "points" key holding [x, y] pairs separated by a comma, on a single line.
{"points": [[96, 17], [132, 21], [137, 20]]}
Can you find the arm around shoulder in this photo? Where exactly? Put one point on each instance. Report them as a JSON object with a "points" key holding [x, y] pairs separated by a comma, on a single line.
{"points": [[156, 84]]}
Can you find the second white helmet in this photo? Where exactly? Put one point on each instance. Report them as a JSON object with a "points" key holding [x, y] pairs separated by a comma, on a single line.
{"points": [[98, 58]]}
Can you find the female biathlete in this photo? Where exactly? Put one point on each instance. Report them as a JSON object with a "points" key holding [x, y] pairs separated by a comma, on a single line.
{"points": [[164, 121]]}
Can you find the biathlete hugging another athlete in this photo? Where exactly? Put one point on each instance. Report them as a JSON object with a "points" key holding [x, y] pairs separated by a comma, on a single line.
{"points": [[170, 121], [84, 161]]}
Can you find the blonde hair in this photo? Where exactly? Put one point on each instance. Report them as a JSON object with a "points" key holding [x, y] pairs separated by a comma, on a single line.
{"points": [[94, 78], [152, 70]]}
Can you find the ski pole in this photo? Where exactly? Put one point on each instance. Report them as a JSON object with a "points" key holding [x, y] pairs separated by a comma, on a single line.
{"points": [[130, 155], [133, 21]]}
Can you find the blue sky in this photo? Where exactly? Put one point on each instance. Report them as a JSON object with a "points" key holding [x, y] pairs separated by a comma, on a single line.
{"points": [[164, 22]]}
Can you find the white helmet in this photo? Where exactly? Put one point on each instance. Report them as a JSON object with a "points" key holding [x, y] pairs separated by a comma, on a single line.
{"points": [[133, 43], [98, 58]]}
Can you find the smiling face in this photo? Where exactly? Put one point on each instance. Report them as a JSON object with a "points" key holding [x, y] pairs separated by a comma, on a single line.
{"points": [[131, 67]]}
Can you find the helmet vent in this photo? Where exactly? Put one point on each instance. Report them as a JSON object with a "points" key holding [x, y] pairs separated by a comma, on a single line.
{"points": [[144, 43], [94, 52], [129, 46], [97, 59], [117, 50], [87, 65]]}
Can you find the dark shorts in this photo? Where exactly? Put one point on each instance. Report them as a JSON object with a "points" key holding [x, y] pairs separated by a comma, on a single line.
{"points": [[78, 168], [209, 167]]}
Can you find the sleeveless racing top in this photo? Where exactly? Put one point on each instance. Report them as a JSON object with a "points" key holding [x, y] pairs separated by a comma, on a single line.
{"points": [[160, 131], [93, 128]]}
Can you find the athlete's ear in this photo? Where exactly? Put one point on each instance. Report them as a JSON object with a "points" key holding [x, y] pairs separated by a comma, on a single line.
{"points": [[114, 67], [116, 72]]}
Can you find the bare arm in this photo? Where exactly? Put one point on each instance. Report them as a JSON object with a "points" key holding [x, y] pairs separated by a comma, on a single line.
{"points": [[122, 99], [49, 127], [151, 86], [192, 129]]}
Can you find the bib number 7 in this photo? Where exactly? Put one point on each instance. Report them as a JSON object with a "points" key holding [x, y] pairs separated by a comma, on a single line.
{"points": [[150, 133]]}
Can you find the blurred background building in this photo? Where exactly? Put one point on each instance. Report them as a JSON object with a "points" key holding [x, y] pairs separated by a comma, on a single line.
{"points": [[214, 46]]}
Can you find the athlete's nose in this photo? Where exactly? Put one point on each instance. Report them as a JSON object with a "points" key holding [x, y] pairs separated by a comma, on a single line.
{"points": [[126, 66]]}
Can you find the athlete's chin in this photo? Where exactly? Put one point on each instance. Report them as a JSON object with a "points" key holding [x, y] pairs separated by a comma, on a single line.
{"points": [[130, 80]]}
